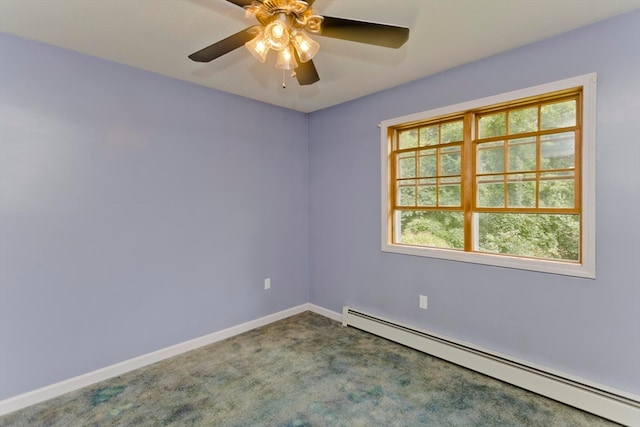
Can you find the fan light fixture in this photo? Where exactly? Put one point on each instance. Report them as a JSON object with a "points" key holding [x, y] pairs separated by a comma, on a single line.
{"points": [[284, 29]]}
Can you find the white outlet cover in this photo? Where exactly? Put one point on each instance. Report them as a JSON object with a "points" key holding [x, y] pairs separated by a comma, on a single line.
{"points": [[423, 301]]}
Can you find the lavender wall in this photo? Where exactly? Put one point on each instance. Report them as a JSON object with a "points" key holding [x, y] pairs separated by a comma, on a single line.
{"points": [[137, 212], [589, 328]]}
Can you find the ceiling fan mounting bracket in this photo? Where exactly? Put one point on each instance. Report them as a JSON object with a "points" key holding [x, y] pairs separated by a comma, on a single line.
{"points": [[298, 12]]}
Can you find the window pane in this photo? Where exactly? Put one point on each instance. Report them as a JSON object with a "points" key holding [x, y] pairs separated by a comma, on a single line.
{"points": [[406, 165], [433, 228], [521, 190], [408, 139], [523, 120], [449, 192], [557, 190], [492, 125], [452, 132], [427, 192], [406, 193], [427, 162], [490, 157], [557, 151], [558, 115], [522, 154], [450, 161], [533, 235], [430, 135], [490, 191]]}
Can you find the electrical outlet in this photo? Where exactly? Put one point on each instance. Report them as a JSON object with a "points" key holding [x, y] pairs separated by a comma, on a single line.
{"points": [[423, 302], [267, 283]]}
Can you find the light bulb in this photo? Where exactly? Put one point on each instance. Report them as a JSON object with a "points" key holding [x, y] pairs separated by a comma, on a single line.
{"points": [[277, 31]]}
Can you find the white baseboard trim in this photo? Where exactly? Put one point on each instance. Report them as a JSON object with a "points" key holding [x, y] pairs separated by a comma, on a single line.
{"points": [[606, 402], [48, 392], [325, 312]]}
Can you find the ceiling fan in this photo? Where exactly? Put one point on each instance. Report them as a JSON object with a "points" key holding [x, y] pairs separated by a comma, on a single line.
{"points": [[284, 26]]}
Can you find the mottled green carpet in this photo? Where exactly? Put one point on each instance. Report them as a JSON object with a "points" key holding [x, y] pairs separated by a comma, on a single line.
{"points": [[306, 370]]}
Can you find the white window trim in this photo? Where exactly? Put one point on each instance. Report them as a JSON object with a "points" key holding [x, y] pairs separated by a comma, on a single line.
{"points": [[588, 266]]}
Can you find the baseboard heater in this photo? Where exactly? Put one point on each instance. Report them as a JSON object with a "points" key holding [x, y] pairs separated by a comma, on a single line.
{"points": [[618, 406]]}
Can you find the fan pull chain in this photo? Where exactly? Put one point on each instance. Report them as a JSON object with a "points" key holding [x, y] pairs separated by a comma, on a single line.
{"points": [[284, 83]]}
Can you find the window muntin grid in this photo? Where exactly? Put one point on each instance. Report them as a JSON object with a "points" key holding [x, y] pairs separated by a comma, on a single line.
{"points": [[428, 165], [534, 170], [529, 153]]}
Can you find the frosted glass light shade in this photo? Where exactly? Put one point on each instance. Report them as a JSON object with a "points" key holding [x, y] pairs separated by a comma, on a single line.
{"points": [[286, 59], [258, 47], [305, 46], [277, 35]]}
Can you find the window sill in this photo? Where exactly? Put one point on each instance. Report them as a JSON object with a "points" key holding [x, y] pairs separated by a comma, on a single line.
{"points": [[540, 265]]}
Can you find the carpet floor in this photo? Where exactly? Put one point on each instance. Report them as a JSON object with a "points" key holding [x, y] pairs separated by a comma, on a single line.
{"points": [[305, 370]]}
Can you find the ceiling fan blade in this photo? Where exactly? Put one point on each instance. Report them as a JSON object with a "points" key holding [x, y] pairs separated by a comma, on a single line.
{"points": [[218, 49], [364, 32], [306, 72]]}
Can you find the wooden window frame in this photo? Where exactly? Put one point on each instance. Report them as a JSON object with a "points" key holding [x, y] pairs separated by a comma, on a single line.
{"points": [[584, 87]]}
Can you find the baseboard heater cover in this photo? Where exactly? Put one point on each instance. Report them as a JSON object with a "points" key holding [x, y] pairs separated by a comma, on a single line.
{"points": [[618, 406]]}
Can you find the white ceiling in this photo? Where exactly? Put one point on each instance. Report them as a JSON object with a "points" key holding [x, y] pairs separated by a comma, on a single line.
{"points": [[157, 35]]}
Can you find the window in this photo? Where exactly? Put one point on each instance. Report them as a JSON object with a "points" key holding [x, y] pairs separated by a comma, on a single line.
{"points": [[506, 180]]}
